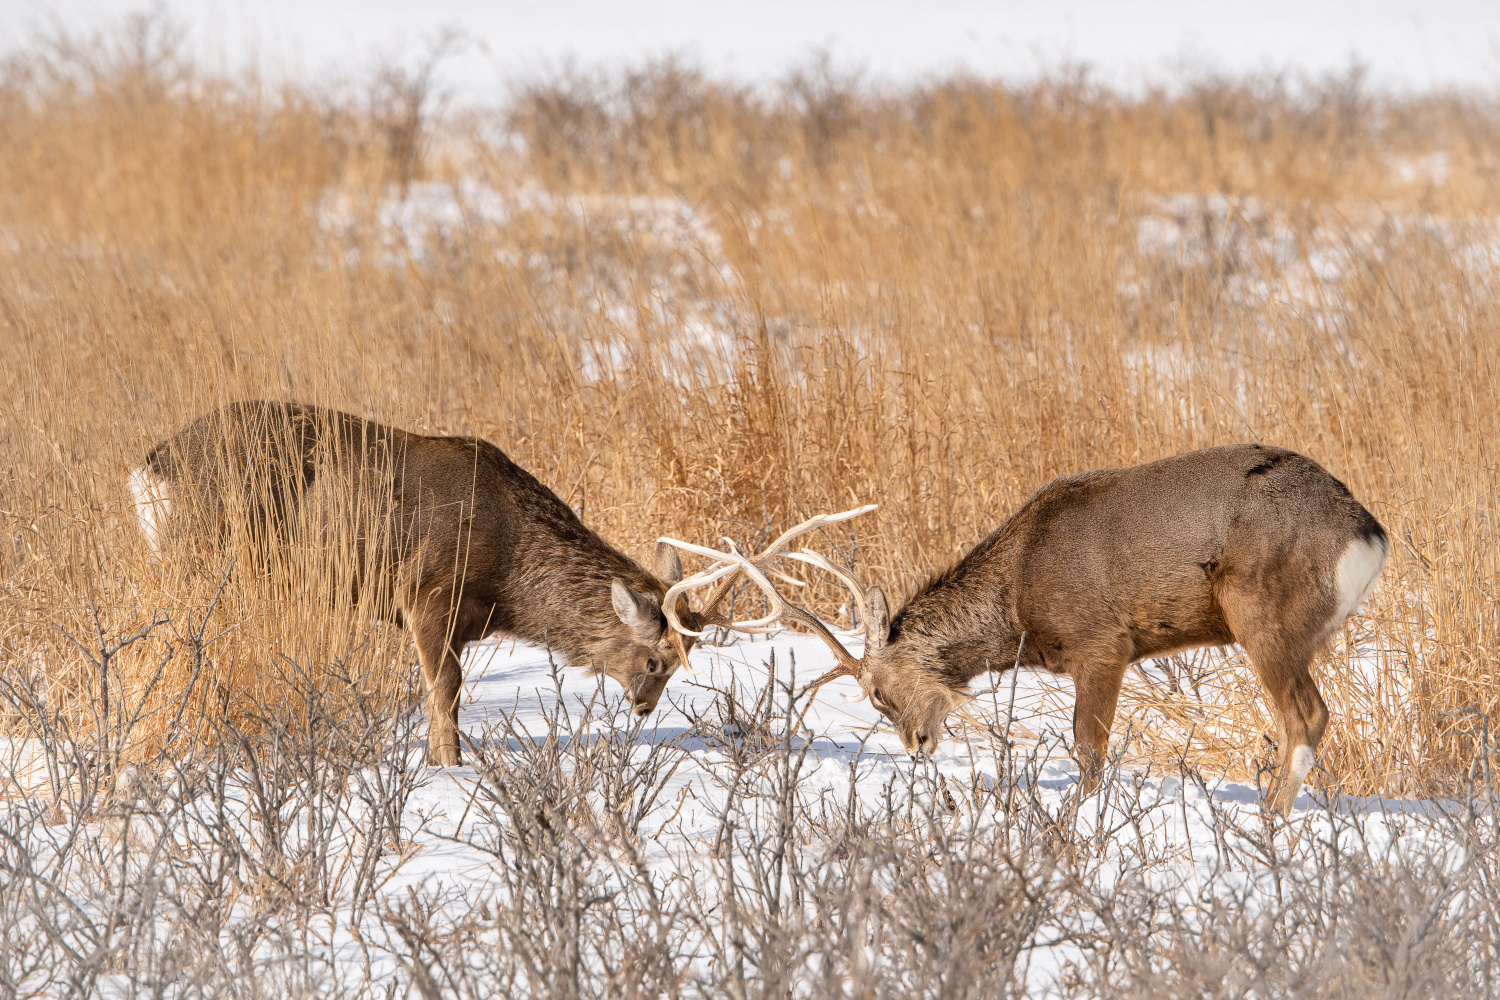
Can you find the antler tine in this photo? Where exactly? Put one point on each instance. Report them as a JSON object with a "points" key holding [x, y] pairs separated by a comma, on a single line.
{"points": [[761, 561], [669, 607], [811, 524], [723, 572], [844, 577], [710, 614], [839, 671], [718, 571], [780, 608], [778, 604], [783, 610], [728, 565], [847, 579]]}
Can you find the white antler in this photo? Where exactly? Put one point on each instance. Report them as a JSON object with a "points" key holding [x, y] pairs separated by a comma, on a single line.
{"points": [[858, 592], [729, 563]]}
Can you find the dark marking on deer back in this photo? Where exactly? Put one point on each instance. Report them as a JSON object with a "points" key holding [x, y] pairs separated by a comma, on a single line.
{"points": [[1265, 465]]}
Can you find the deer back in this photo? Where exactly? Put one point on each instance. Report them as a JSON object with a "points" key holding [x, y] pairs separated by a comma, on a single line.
{"points": [[399, 513], [1146, 550]]}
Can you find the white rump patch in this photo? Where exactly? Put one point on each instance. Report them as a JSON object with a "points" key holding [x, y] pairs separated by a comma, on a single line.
{"points": [[1359, 568], [153, 504]]}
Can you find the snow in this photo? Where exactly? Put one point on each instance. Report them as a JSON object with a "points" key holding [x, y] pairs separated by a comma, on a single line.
{"points": [[680, 782], [437, 210], [850, 751], [508, 679], [688, 299]]}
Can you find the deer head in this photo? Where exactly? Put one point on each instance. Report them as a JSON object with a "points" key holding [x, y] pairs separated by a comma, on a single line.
{"points": [[647, 651]]}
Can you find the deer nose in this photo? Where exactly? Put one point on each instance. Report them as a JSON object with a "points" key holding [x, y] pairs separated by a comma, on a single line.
{"points": [[642, 708]]}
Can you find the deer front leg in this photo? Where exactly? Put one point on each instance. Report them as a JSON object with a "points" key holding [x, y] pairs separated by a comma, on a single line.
{"points": [[433, 627], [1097, 692]]}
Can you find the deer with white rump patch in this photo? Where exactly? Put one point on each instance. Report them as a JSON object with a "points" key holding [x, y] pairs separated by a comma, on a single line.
{"points": [[1243, 543], [447, 534]]}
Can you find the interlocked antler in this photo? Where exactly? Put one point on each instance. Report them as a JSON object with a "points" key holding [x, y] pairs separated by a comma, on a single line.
{"points": [[729, 565]]}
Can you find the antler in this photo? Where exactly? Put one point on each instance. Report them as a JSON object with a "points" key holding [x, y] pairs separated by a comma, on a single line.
{"points": [[729, 565]]}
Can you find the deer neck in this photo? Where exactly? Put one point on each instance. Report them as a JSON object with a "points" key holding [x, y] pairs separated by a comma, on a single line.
{"points": [[560, 594], [963, 622]]}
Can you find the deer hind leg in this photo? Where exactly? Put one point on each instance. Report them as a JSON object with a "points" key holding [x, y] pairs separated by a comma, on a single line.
{"points": [[1280, 627], [1301, 719], [436, 619], [1282, 667]]}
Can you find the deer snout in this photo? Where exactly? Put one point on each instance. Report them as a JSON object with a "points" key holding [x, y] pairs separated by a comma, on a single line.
{"points": [[646, 692], [921, 728], [916, 742]]}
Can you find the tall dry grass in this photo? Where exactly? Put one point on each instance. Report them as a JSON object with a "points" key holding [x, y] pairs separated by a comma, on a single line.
{"points": [[698, 308]]}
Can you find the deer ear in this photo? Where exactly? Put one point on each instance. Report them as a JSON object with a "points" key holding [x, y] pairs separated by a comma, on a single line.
{"points": [[639, 611], [877, 618], [668, 564]]}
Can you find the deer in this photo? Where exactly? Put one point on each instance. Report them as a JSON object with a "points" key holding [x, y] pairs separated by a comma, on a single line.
{"points": [[451, 539], [1246, 543]]}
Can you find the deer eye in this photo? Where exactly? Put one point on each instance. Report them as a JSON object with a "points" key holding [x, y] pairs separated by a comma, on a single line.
{"points": [[652, 666]]}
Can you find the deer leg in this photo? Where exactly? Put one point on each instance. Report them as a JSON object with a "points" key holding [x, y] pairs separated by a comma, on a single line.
{"points": [[1312, 715], [1301, 717], [434, 626], [1280, 634], [1097, 692]]}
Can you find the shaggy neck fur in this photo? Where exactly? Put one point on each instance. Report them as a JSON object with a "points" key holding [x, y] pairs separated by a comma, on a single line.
{"points": [[558, 590], [579, 622], [961, 623]]}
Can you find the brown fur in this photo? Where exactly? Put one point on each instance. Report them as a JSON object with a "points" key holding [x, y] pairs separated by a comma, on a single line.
{"points": [[451, 537], [1235, 544]]}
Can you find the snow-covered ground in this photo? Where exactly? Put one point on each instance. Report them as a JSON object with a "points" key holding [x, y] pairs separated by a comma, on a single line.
{"points": [[847, 742], [1189, 836], [574, 825]]}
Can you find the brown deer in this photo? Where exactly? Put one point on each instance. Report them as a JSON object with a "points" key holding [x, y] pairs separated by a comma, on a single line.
{"points": [[447, 535], [1244, 543]]}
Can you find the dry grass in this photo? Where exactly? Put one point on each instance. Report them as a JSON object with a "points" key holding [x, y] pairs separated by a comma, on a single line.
{"points": [[708, 310]]}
